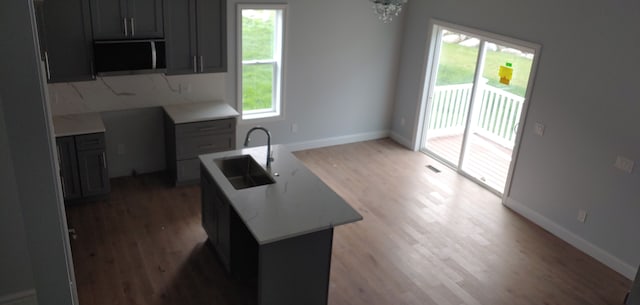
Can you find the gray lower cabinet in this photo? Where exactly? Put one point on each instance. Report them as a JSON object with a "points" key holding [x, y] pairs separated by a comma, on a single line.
{"points": [[83, 167], [184, 142], [196, 36], [127, 19], [67, 159], [216, 219], [64, 31]]}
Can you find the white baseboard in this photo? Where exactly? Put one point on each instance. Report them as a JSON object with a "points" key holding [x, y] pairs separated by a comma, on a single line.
{"points": [[583, 245], [27, 297], [401, 140], [338, 140]]}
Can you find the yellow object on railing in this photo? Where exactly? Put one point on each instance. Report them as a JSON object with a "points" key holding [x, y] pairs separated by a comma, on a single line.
{"points": [[506, 73]]}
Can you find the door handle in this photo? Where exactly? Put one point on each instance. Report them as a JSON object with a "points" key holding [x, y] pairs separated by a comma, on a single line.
{"points": [[104, 160], [201, 64], [133, 26], [126, 29]]}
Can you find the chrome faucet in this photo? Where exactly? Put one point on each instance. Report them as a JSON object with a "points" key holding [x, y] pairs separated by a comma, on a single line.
{"points": [[247, 139]]}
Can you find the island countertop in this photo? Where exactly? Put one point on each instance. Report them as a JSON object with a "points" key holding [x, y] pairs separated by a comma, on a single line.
{"points": [[297, 203]]}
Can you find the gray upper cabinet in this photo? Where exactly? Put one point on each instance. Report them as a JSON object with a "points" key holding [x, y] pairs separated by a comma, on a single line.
{"points": [[64, 30], [127, 19], [196, 36]]}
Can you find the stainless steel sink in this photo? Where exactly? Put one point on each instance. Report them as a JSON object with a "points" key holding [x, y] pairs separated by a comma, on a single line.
{"points": [[243, 172]]}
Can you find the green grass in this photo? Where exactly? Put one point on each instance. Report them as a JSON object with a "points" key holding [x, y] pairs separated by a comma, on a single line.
{"points": [[257, 43], [458, 63]]}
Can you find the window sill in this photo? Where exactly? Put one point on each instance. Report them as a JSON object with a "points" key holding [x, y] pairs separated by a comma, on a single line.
{"points": [[261, 117]]}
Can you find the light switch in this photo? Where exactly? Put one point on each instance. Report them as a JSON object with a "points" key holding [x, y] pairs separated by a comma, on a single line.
{"points": [[539, 129]]}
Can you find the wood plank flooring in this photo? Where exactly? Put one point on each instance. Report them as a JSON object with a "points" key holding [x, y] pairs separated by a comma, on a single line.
{"points": [[426, 238]]}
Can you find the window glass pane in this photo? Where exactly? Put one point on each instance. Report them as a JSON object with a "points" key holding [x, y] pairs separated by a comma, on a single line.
{"points": [[257, 87], [258, 38]]}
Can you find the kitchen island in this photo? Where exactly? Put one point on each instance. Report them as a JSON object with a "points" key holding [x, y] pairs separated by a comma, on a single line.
{"points": [[278, 235]]}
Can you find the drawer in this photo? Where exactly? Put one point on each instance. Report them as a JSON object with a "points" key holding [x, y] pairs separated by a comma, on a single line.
{"points": [[205, 128], [188, 170], [191, 147], [90, 141]]}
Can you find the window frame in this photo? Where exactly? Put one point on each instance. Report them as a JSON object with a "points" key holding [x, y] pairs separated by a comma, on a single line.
{"points": [[278, 85]]}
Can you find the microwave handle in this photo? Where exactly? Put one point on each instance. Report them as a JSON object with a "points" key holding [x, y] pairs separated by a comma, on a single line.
{"points": [[154, 55]]}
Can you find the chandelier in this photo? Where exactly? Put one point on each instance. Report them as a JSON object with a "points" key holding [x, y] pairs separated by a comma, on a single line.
{"points": [[386, 9]]}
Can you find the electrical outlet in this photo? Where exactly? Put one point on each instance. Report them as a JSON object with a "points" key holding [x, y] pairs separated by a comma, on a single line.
{"points": [[624, 164], [294, 127], [402, 121], [539, 129], [582, 215]]}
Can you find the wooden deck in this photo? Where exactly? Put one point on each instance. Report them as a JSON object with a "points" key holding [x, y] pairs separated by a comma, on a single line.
{"points": [[486, 160]]}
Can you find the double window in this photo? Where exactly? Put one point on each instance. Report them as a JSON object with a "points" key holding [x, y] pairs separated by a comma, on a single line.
{"points": [[260, 48]]}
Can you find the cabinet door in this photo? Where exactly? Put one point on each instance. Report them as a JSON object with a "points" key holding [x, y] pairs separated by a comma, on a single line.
{"points": [[224, 232], [109, 19], [94, 178], [212, 35], [68, 164], [180, 35], [68, 40], [145, 18], [209, 213]]}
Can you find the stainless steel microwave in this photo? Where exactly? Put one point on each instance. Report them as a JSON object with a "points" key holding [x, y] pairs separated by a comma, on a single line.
{"points": [[116, 57]]}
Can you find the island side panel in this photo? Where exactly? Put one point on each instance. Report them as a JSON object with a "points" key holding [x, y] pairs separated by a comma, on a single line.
{"points": [[296, 270]]}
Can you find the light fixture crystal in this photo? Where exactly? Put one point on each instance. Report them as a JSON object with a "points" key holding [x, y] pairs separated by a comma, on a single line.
{"points": [[387, 9]]}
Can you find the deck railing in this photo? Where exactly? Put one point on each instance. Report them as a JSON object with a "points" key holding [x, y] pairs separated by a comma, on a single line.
{"points": [[498, 115]]}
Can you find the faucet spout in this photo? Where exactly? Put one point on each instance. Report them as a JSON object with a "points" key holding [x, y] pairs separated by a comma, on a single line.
{"points": [[247, 140]]}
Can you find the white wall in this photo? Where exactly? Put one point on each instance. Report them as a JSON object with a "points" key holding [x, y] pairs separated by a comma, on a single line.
{"points": [[29, 135], [15, 268], [585, 93]]}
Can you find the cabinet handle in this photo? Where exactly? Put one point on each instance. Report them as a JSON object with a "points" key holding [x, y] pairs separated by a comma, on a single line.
{"points": [[206, 146], [201, 64], [126, 29], [46, 65], [195, 64], [104, 160], [133, 26]]}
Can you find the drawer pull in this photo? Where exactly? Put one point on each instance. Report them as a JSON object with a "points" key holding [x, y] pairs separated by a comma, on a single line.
{"points": [[206, 146], [94, 142]]}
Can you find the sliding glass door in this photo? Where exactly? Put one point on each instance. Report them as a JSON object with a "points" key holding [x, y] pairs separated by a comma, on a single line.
{"points": [[476, 95]]}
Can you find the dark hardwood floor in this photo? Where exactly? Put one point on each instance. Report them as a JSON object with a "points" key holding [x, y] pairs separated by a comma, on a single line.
{"points": [[426, 238]]}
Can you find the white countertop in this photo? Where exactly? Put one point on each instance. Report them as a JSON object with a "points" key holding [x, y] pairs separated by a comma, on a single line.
{"points": [[197, 112], [76, 124], [296, 204]]}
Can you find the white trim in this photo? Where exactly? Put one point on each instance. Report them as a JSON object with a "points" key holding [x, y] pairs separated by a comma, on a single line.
{"points": [[280, 67], [583, 245], [359, 137], [26, 297], [401, 140]]}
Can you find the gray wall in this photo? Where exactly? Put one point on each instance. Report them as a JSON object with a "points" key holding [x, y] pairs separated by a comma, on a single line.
{"points": [[15, 267], [30, 140], [340, 71], [585, 93]]}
